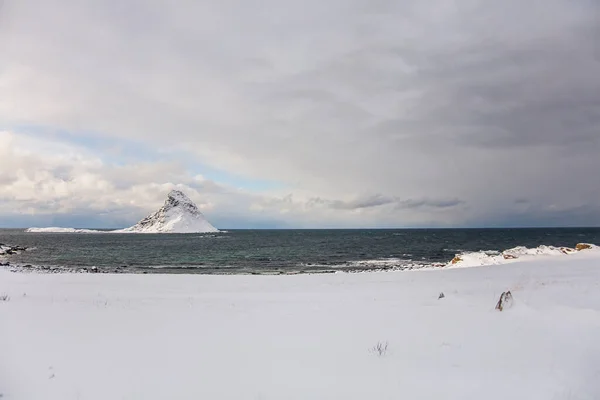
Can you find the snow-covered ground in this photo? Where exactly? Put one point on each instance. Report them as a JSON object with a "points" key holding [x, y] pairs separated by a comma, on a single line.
{"points": [[89, 336]]}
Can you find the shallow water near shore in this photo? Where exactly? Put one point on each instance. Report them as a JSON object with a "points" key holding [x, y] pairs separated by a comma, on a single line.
{"points": [[276, 251]]}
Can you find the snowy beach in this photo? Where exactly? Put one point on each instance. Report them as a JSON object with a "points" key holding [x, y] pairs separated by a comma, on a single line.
{"points": [[84, 336]]}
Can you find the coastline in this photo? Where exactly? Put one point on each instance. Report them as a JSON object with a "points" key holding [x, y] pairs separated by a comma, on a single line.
{"points": [[460, 260]]}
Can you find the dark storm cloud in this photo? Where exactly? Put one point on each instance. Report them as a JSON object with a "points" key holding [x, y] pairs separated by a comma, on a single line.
{"points": [[534, 92], [381, 200], [372, 201], [440, 203]]}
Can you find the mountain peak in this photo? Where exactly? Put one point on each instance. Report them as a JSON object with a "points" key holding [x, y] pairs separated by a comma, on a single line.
{"points": [[178, 198], [178, 195]]}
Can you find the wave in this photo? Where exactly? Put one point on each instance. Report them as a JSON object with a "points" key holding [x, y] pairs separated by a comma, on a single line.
{"points": [[516, 254], [372, 265]]}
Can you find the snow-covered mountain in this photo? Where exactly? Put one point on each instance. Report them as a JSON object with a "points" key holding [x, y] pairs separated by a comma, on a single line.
{"points": [[179, 214]]}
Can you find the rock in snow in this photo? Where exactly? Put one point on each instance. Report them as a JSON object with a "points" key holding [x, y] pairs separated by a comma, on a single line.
{"points": [[179, 214]]}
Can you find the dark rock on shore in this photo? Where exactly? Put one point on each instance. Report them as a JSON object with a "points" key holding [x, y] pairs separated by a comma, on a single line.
{"points": [[8, 250]]}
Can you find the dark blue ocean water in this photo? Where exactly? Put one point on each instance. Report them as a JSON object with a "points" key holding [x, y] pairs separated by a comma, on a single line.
{"points": [[276, 251]]}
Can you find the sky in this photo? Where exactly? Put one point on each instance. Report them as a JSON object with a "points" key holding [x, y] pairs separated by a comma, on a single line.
{"points": [[301, 114]]}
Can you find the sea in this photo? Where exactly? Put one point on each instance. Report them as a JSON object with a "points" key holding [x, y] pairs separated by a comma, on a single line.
{"points": [[274, 251]]}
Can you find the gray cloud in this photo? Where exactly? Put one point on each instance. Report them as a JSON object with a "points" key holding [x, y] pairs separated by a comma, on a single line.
{"points": [[379, 200], [368, 202], [377, 101], [440, 203]]}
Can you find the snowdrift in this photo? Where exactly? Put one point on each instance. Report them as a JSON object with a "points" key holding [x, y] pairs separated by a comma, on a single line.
{"points": [[516, 254]]}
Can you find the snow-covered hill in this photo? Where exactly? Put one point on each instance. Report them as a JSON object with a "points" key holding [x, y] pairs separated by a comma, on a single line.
{"points": [[179, 214]]}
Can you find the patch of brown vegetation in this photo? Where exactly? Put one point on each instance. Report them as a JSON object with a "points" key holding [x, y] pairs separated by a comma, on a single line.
{"points": [[509, 256]]}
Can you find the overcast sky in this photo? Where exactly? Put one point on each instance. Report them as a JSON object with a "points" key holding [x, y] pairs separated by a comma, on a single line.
{"points": [[285, 113]]}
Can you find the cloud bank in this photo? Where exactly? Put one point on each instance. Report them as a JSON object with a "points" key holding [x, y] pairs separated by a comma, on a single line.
{"points": [[308, 114]]}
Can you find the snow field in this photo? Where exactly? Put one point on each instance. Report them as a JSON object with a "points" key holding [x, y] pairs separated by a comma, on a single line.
{"points": [[83, 336]]}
